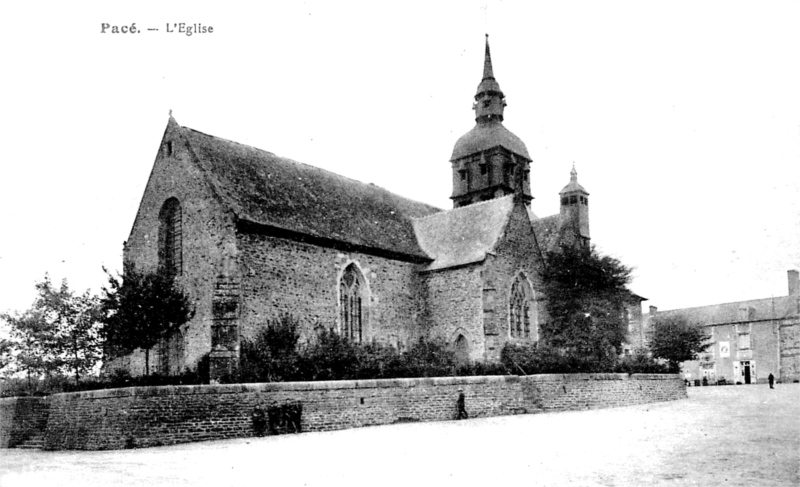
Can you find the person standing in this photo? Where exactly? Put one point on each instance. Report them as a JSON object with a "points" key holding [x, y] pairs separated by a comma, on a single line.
{"points": [[771, 380], [461, 406]]}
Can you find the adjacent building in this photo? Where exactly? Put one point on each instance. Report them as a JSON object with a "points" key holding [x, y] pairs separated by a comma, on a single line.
{"points": [[750, 339]]}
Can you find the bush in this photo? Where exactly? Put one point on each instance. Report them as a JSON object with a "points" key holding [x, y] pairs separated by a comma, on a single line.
{"points": [[272, 354]]}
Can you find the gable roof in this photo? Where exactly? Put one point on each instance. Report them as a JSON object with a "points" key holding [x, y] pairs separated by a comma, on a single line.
{"points": [[757, 309], [463, 235], [264, 189]]}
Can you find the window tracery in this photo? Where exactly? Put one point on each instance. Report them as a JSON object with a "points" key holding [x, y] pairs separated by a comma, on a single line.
{"points": [[520, 309], [352, 299]]}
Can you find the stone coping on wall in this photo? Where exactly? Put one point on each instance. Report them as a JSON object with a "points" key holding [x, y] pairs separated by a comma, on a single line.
{"points": [[153, 391]]}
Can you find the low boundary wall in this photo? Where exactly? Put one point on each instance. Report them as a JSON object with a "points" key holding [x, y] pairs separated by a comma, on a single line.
{"points": [[153, 416]]}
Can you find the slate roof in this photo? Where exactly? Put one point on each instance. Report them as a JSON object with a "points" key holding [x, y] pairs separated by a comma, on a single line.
{"points": [[485, 136], [265, 189], [463, 235], [762, 309]]}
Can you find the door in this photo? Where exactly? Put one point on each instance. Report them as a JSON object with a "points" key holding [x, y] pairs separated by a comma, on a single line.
{"points": [[746, 372]]}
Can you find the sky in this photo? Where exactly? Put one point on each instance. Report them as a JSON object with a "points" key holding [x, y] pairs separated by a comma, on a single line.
{"points": [[682, 119]]}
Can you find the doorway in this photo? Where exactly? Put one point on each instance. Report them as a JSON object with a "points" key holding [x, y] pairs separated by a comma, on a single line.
{"points": [[462, 350], [749, 372]]}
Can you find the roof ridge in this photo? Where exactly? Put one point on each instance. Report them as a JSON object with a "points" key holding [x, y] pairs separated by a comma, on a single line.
{"points": [[742, 301]]}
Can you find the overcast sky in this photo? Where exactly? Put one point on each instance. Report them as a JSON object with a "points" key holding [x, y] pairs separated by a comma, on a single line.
{"points": [[682, 119]]}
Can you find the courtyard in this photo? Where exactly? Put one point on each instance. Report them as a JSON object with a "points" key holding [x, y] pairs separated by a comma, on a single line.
{"points": [[724, 435]]}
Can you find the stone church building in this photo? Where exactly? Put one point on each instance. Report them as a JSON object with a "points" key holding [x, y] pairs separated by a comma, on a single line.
{"points": [[250, 235]]}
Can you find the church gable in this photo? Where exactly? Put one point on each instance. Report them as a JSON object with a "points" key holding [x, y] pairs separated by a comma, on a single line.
{"points": [[181, 226], [512, 285]]}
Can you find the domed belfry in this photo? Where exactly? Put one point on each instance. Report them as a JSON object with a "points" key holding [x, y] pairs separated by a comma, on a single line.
{"points": [[489, 161]]}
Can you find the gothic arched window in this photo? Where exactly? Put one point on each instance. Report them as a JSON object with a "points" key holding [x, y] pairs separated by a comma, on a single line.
{"points": [[353, 299], [521, 310], [170, 238]]}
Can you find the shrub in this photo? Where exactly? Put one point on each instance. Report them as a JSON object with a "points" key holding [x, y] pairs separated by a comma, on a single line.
{"points": [[272, 354]]}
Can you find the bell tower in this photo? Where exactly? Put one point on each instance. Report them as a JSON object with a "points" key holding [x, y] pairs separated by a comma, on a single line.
{"points": [[489, 161], [575, 208]]}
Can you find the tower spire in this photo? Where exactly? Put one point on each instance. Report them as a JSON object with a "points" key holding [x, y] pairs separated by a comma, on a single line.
{"points": [[489, 100], [488, 73]]}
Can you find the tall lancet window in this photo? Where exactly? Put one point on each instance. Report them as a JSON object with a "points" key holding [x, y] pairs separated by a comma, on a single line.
{"points": [[353, 299], [170, 237], [521, 312]]}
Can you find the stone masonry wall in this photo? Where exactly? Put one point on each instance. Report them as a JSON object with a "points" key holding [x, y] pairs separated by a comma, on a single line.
{"points": [[515, 253], [208, 245], [284, 276], [789, 330], [455, 307], [21, 418], [142, 417]]}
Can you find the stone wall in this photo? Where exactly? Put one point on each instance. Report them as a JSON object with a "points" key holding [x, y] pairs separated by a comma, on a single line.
{"points": [[152, 416], [284, 276], [514, 255], [21, 418], [207, 251], [455, 306], [789, 331]]}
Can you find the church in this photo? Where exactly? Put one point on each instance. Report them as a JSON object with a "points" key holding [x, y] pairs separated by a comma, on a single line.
{"points": [[250, 236]]}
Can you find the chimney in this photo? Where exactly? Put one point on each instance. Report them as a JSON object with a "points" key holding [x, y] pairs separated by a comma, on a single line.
{"points": [[794, 283], [653, 310]]}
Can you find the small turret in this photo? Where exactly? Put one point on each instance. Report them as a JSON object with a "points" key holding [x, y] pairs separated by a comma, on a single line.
{"points": [[575, 207]]}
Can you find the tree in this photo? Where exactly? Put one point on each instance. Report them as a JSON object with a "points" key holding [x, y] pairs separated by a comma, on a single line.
{"points": [[677, 340], [75, 319], [33, 339], [60, 331], [6, 353], [140, 309], [586, 296]]}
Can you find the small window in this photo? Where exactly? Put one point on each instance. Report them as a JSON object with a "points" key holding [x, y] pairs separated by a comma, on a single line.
{"points": [[170, 237], [744, 341], [484, 169], [564, 201], [526, 175], [573, 200], [463, 174], [169, 148]]}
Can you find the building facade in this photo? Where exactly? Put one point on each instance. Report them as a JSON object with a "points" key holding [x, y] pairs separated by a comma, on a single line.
{"points": [[251, 236], [749, 340]]}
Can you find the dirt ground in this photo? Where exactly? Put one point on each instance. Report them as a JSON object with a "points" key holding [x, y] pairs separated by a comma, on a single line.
{"points": [[727, 435]]}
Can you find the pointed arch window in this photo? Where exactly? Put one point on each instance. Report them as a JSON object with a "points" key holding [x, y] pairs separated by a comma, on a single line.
{"points": [[353, 298], [170, 237], [521, 312]]}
